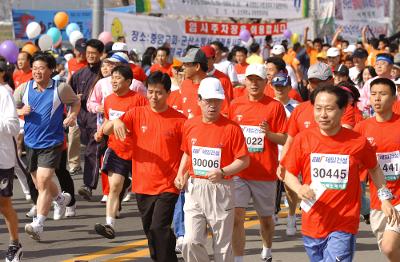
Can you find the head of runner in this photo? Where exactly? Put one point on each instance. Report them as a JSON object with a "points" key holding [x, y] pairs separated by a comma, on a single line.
{"points": [[24, 61], [255, 81], [158, 90], [274, 65], [94, 51], [210, 54], [329, 103], [117, 59], [319, 74], [195, 65], [42, 67], [162, 56], [121, 79], [282, 85], [384, 65], [211, 95], [383, 96]]}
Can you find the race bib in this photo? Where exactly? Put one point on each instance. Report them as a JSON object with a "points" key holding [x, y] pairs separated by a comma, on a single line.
{"points": [[390, 164], [114, 114], [331, 170], [254, 138], [205, 159], [241, 78]]}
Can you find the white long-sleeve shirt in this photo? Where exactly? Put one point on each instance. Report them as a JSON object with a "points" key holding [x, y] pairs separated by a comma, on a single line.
{"points": [[9, 127]]}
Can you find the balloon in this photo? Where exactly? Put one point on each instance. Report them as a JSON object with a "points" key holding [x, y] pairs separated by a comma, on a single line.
{"points": [[30, 48], [105, 37], [74, 36], [71, 28], [287, 33], [9, 50], [61, 20], [45, 42], [33, 30], [55, 34], [294, 38], [244, 35]]}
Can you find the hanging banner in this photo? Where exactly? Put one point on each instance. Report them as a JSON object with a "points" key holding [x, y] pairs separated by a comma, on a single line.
{"points": [[352, 31], [273, 9], [145, 31], [22, 17]]}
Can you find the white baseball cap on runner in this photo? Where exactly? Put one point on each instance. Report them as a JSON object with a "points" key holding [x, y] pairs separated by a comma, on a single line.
{"points": [[211, 88]]}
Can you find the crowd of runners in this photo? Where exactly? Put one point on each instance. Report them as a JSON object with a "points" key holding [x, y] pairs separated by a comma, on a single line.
{"points": [[197, 139]]}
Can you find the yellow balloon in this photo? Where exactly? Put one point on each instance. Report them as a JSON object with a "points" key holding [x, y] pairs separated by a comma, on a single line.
{"points": [[61, 20], [294, 38], [29, 48]]}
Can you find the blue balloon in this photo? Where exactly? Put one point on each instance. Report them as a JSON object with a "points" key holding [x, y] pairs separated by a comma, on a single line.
{"points": [[71, 28], [54, 33]]}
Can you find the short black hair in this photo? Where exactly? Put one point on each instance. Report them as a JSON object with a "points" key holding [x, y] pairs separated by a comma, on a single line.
{"points": [[45, 57], [317, 40], [123, 70], [219, 44], [345, 41], [353, 90], [159, 77], [384, 81], [278, 62], [254, 47], [97, 44], [241, 49], [268, 38], [163, 48], [342, 97]]}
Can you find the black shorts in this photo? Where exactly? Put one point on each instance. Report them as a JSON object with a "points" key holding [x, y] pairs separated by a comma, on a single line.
{"points": [[45, 157], [115, 164], [6, 182]]}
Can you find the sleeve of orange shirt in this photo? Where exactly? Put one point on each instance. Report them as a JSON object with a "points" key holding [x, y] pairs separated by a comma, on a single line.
{"points": [[238, 144], [292, 129], [348, 116], [278, 124], [129, 119], [294, 157], [184, 145], [367, 155], [228, 88]]}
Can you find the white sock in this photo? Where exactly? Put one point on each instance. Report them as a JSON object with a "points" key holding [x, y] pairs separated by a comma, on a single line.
{"points": [[40, 219], [238, 259], [268, 251], [59, 199], [110, 221]]}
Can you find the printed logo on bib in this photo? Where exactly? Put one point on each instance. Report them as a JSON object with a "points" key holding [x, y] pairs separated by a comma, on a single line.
{"points": [[390, 164], [114, 114], [205, 159], [331, 170], [254, 138]]}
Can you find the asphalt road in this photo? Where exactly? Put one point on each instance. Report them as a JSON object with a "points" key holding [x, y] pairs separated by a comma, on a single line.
{"points": [[74, 239]]}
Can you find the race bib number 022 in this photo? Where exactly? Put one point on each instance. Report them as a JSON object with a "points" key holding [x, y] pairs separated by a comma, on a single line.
{"points": [[331, 170], [205, 159], [390, 164], [254, 138]]}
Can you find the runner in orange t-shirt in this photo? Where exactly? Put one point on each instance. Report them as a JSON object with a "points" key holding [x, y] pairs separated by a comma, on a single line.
{"points": [[79, 61], [138, 72], [263, 122], [24, 72], [240, 67], [117, 158], [328, 157], [214, 150], [157, 130], [379, 132], [161, 61]]}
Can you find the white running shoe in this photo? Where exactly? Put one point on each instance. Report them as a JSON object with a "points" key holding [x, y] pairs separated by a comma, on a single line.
{"points": [[34, 230], [32, 212], [179, 245], [264, 256], [104, 199], [59, 209], [28, 197], [127, 198], [291, 227], [275, 219], [70, 211]]}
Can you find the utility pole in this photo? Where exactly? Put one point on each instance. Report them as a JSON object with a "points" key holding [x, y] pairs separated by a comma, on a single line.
{"points": [[98, 18]]}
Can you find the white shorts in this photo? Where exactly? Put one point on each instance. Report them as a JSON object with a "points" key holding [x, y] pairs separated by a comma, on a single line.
{"points": [[379, 224], [262, 192]]}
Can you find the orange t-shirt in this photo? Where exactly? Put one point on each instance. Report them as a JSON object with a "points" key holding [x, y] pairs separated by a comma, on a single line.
{"points": [[175, 100], [115, 107], [263, 153], [74, 66], [21, 77], [241, 71], [334, 161], [156, 151], [312, 53], [212, 145], [396, 107], [302, 118], [384, 140], [190, 99], [289, 56], [226, 84], [138, 72], [166, 69], [293, 94]]}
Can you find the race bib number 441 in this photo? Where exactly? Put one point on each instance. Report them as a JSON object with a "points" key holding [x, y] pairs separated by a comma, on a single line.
{"points": [[331, 170], [254, 138], [205, 159], [390, 164]]}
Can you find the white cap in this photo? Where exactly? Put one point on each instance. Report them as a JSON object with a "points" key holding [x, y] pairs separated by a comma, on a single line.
{"points": [[278, 49], [256, 69], [119, 57], [119, 46], [332, 52], [68, 56], [211, 88], [350, 49]]}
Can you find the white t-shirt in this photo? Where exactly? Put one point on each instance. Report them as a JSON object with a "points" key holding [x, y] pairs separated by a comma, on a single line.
{"points": [[228, 69], [293, 77]]}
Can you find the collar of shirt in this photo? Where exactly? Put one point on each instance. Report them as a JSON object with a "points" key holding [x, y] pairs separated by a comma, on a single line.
{"points": [[50, 84]]}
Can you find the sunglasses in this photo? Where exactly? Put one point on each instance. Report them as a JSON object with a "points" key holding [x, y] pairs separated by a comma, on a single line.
{"points": [[280, 81]]}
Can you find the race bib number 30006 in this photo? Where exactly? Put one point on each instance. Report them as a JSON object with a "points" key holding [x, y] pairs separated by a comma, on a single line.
{"points": [[254, 138], [331, 170], [390, 164], [205, 159]]}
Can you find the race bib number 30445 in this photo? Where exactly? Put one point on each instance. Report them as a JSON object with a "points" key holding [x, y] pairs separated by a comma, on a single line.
{"points": [[390, 164], [254, 138], [205, 159], [331, 170]]}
